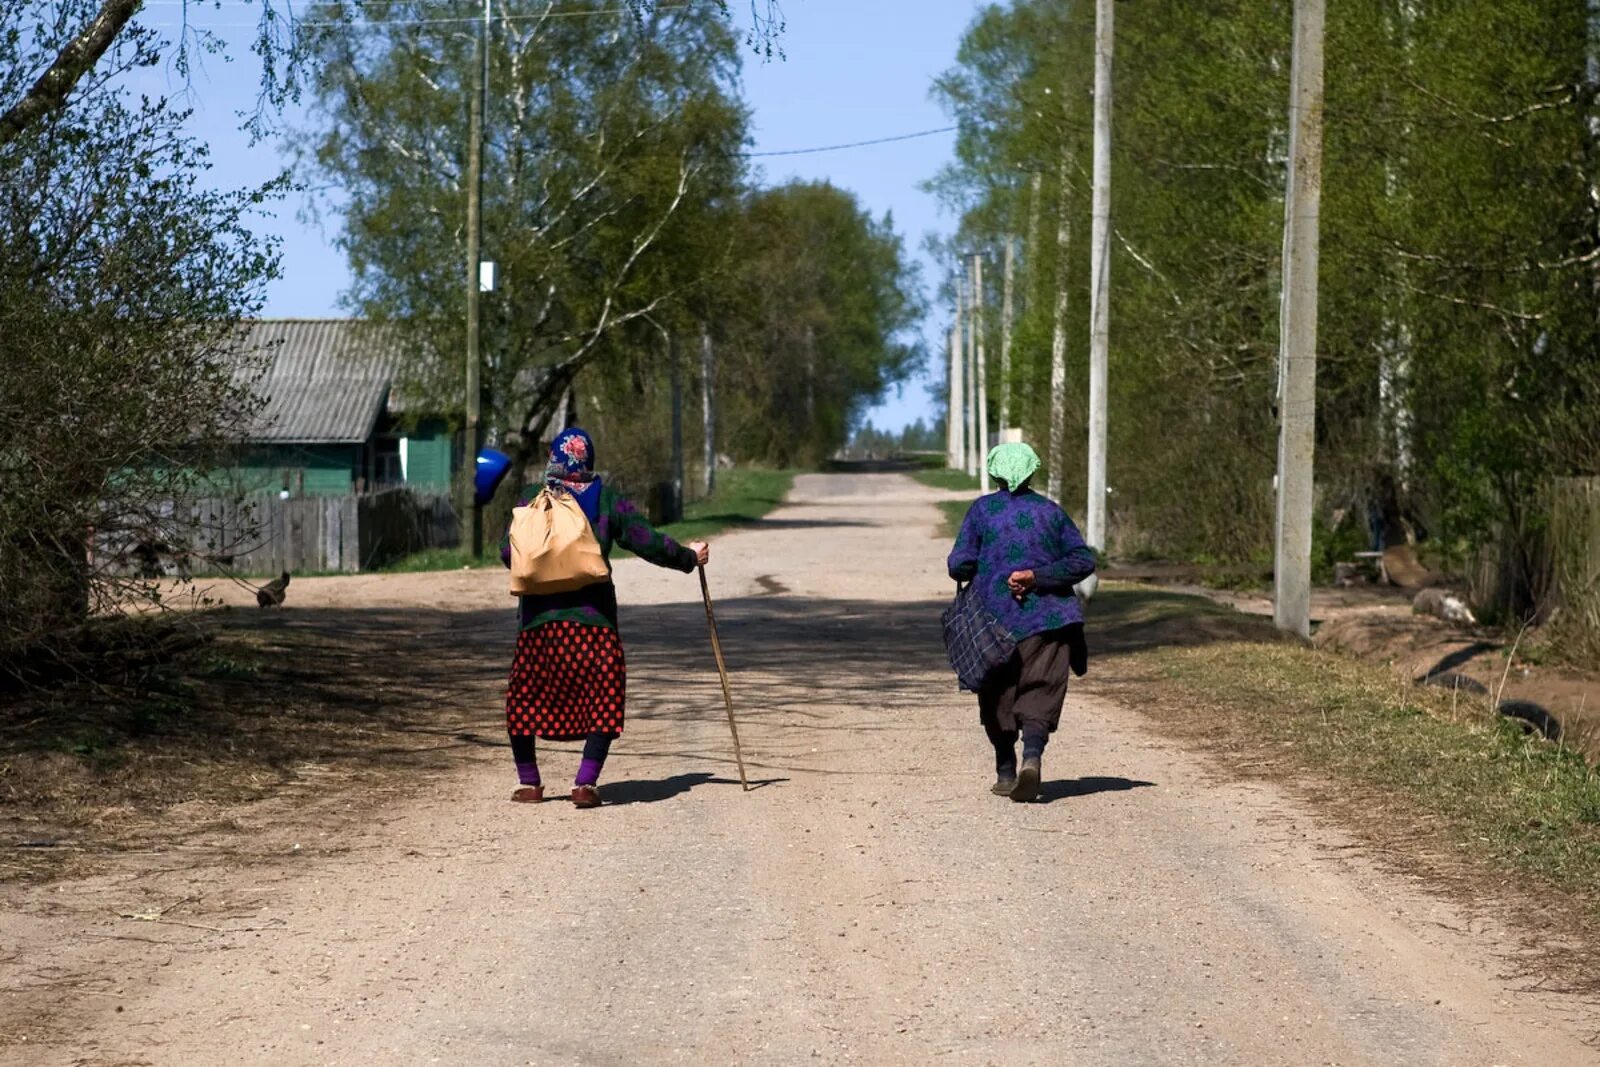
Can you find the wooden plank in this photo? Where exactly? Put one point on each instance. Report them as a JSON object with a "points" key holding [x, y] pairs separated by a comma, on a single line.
{"points": [[350, 533]]}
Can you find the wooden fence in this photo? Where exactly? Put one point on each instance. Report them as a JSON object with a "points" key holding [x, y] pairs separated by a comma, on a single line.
{"points": [[266, 535]]}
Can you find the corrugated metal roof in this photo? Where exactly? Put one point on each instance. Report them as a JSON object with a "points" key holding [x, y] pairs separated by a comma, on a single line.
{"points": [[326, 380]]}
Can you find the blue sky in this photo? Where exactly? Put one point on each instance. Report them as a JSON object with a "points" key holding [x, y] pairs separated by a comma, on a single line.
{"points": [[854, 70]]}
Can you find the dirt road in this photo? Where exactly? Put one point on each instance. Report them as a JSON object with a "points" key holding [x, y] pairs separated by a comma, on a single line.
{"points": [[869, 902]]}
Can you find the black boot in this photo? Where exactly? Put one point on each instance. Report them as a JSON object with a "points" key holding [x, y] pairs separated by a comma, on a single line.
{"points": [[1026, 787]]}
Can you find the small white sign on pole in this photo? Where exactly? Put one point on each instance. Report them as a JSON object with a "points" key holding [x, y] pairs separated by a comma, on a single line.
{"points": [[486, 276]]}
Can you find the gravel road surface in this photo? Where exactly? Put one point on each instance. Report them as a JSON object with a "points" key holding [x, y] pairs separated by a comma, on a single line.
{"points": [[867, 902]]}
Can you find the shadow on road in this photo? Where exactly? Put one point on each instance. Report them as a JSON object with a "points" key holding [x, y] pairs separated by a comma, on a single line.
{"points": [[649, 791], [352, 691], [1067, 788]]}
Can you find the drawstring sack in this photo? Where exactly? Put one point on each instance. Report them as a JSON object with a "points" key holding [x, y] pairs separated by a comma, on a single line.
{"points": [[553, 547], [974, 639]]}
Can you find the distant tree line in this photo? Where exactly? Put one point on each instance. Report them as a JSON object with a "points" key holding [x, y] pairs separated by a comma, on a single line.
{"points": [[1459, 338], [869, 442]]}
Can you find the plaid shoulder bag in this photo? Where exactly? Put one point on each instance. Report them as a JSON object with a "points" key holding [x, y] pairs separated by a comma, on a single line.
{"points": [[974, 639]]}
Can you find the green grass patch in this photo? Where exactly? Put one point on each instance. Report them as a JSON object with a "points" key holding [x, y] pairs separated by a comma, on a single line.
{"points": [[945, 478], [1420, 773], [444, 559], [953, 511], [741, 498]]}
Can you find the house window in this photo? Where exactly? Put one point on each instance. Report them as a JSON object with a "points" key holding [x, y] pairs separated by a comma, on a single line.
{"points": [[388, 461]]}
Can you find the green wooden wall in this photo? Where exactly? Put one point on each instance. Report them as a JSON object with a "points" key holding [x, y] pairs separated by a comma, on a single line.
{"points": [[313, 470], [428, 466]]}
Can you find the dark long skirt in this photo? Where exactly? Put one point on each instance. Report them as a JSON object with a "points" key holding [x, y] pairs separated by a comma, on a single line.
{"points": [[1031, 687], [568, 681]]}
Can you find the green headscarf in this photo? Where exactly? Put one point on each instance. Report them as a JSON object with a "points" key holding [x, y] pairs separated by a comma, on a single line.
{"points": [[1013, 463]]}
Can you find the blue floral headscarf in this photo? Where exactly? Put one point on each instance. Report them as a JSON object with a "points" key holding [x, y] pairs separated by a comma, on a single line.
{"points": [[572, 468]]}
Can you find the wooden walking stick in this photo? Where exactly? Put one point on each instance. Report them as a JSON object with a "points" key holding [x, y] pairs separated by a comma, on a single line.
{"points": [[722, 670]]}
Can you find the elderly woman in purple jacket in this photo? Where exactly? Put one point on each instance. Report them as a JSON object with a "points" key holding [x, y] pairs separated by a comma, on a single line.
{"points": [[1024, 556]]}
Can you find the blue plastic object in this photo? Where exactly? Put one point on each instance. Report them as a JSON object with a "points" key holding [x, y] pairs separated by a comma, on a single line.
{"points": [[493, 466]]}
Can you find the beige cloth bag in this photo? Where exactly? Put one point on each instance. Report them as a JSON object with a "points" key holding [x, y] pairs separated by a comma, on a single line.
{"points": [[553, 547]]}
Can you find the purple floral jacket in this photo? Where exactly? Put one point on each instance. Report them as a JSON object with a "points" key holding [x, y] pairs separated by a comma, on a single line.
{"points": [[1005, 532]]}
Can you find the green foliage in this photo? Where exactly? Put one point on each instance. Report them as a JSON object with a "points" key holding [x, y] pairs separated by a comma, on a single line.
{"points": [[1457, 335], [122, 278], [616, 205], [818, 295]]}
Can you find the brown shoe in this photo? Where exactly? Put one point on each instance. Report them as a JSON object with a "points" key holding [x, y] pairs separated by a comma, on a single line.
{"points": [[529, 794], [585, 796]]}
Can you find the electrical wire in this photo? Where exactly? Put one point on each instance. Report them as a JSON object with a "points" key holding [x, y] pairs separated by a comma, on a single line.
{"points": [[850, 144]]}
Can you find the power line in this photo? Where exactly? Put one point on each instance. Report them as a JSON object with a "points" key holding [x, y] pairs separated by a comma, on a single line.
{"points": [[452, 21], [851, 144]]}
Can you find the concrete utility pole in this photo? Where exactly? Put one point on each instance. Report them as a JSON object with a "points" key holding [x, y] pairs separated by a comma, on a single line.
{"points": [[1005, 337], [1099, 276], [1297, 327], [477, 105], [708, 409], [955, 444], [971, 374], [982, 365], [1058, 340]]}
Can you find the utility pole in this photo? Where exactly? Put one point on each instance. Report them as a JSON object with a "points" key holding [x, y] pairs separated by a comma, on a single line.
{"points": [[1297, 327], [952, 410], [708, 407], [972, 385], [477, 105], [1005, 338], [982, 366], [1099, 275]]}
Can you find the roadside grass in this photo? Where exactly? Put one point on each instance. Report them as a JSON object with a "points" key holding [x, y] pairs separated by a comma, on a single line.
{"points": [[1443, 783], [954, 511], [444, 559], [741, 497], [945, 478], [954, 481]]}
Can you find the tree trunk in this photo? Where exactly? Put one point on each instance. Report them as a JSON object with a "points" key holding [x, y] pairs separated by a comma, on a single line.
{"points": [[1005, 339], [708, 410], [1058, 339], [53, 87]]}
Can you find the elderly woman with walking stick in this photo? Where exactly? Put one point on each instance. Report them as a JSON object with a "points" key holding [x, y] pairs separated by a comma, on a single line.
{"points": [[1023, 556], [569, 679]]}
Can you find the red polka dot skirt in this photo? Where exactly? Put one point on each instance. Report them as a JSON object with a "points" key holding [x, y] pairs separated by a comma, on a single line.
{"points": [[568, 680]]}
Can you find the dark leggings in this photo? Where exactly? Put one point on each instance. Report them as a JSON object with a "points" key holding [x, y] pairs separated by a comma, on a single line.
{"points": [[1035, 735], [596, 747]]}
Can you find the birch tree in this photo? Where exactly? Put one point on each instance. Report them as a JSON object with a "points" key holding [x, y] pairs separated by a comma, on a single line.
{"points": [[609, 141]]}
